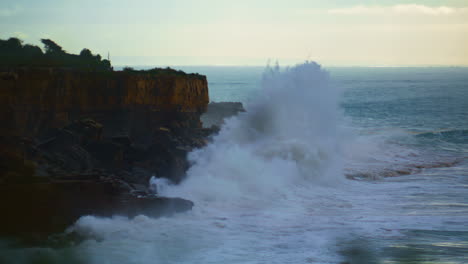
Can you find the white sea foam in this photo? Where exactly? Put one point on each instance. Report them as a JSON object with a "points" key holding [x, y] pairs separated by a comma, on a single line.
{"points": [[289, 137]]}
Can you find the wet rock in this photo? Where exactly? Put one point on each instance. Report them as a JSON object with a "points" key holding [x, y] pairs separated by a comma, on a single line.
{"points": [[45, 208], [217, 112]]}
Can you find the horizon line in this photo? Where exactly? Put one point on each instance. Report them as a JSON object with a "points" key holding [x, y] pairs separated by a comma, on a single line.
{"points": [[324, 65]]}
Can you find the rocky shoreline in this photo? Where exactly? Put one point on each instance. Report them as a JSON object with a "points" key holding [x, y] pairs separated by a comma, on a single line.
{"points": [[77, 143]]}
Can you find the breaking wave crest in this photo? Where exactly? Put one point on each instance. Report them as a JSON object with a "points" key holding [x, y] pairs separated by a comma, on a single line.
{"points": [[288, 137]]}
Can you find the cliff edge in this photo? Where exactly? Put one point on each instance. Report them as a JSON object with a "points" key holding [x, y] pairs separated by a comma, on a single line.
{"points": [[76, 142], [35, 101]]}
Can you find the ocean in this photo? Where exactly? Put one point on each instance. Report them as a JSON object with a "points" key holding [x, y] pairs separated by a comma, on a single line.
{"points": [[327, 165]]}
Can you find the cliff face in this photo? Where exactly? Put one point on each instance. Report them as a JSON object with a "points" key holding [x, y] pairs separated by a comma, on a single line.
{"points": [[82, 142], [33, 102]]}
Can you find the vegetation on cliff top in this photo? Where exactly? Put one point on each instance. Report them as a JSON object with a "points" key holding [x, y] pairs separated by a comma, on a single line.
{"points": [[163, 71], [14, 54]]}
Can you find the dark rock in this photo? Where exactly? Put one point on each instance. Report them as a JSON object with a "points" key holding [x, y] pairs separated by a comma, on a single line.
{"points": [[85, 130], [123, 140], [46, 208], [156, 206], [125, 103], [108, 154], [217, 112], [75, 143]]}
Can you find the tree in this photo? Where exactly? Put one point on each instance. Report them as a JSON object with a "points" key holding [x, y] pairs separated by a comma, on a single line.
{"points": [[14, 42], [106, 64], [12, 45], [86, 53], [31, 50], [51, 47]]}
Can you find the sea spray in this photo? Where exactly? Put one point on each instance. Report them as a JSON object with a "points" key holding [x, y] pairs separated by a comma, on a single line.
{"points": [[157, 185], [289, 136]]}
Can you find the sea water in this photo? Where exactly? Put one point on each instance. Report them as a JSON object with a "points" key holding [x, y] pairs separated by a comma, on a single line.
{"points": [[328, 165]]}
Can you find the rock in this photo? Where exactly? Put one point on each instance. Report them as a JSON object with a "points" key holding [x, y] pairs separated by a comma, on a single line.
{"points": [[39, 100], [217, 112], [14, 166], [109, 155], [75, 143], [157, 206], [85, 130], [44, 208], [123, 140]]}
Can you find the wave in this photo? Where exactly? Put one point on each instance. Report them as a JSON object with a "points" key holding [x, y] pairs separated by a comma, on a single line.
{"points": [[396, 170], [457, 136], [290, 136], [294, 134], [380, 153]]}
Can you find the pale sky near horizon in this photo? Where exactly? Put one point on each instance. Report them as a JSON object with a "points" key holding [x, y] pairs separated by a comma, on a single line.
{"points": [[248, 32]]}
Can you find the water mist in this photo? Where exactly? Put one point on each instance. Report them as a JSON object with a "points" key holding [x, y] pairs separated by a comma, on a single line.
{"points": [[288, 137]]}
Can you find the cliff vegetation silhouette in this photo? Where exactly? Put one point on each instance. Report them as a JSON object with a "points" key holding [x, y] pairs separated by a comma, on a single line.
{"points": [[13, 54]]}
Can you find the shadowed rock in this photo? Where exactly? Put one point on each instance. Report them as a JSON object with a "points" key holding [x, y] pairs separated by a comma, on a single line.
{"points": [[75, 143], [217, 112], [43, 208]]}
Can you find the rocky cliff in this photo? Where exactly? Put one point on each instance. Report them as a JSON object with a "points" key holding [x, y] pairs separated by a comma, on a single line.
{"points": [[87, 142], [34, 102]]}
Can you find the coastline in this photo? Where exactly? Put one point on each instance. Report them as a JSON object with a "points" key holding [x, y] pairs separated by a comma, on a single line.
{"points": [[77, 142]]}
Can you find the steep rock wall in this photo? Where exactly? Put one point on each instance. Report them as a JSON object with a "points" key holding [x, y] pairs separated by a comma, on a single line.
{"points": [[34, 102], [74, 143]]}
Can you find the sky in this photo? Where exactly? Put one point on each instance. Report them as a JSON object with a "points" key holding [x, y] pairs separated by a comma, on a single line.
{"points": [[248, 32]]}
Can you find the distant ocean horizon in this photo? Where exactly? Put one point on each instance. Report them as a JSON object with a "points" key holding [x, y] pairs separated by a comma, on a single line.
{"points": [[177, 66]]}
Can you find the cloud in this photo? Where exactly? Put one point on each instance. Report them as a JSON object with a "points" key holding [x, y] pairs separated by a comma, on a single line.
{"points": [[407, 9]]}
